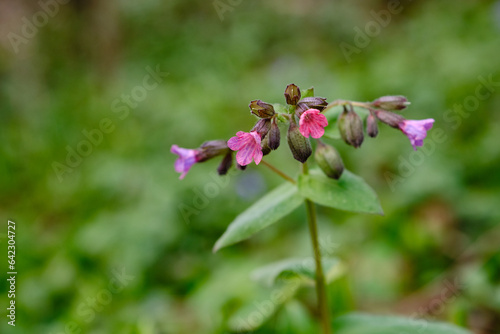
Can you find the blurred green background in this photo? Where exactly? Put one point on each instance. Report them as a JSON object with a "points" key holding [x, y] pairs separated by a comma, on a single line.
{"points": [[102, 246]]}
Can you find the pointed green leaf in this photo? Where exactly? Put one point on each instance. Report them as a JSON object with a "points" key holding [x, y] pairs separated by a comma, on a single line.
{"points": [[309, 92], [358, 323], [349, 193], [304, 267], [266, 211]]}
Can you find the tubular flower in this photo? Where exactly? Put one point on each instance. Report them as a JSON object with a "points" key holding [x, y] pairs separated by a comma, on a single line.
{"points": [[248, 146], [187, 158], [312, 123], [416, 131]]}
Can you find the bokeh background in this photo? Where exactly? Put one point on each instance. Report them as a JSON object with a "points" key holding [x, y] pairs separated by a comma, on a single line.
{"points": [[103, 245]]}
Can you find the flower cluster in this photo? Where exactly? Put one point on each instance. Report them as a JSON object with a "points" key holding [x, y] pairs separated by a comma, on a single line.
{"points": [[305, 118]]}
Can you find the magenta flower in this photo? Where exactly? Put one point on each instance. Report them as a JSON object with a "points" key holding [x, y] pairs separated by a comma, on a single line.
{"points": [[187, 158], [248, 146], [416, 131], [312, 122]]}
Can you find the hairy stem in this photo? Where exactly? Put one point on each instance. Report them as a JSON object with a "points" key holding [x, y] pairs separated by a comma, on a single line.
{"points": [[345, 102], [320, 278], [277, 171]]}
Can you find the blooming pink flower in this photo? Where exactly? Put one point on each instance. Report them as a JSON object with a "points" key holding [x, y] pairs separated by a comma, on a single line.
{"points": [[248, 145], [187, 158], [416, 131], [312, 123]]}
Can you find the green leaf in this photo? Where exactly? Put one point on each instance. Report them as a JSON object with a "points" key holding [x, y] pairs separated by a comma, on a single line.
{"points": [[350, 193], [279, 108], [358, 323], [307, 93], [254, 315], [266, 211], [304, 267]]}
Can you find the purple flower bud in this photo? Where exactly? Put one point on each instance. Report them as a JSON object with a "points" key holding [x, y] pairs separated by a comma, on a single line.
{"points": [[211, 149], [371, 125], [226, 163], [299, 145], [416, 130], [351, 127], [262, 127], [313, 103], [393, 102], [389, 118], [261, 109], [292, 94], [274, 135], [264, 144], [329, 160]]}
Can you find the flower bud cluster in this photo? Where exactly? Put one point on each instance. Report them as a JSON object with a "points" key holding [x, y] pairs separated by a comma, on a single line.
{"points": [[305, 118]]}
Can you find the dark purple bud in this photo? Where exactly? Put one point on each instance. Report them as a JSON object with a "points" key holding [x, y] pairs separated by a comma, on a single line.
{"points": [[329, 160], [292, 94], [226, 163], [389, 118], [299, 145], [351, 127], [262, 127], [274, 135], [371, 125], [264, 145], [211, 149], [393, 102], [261, 109], [314, 103]]}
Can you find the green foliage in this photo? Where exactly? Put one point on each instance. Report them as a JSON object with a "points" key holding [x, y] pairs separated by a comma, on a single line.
{"points": [[358, 323], [266, 211], [120, 206], [303, 267], [349, 193]]}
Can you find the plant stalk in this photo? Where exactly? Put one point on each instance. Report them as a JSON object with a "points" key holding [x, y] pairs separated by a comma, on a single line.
{"points": [[277, 171], [320, 277]]}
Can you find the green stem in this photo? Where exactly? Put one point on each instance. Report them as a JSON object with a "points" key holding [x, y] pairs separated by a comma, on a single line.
{"points": [[277, 171], [320, 278], [345, 102]]}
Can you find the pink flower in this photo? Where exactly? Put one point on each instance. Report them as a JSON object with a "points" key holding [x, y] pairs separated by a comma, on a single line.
{"points": [[416, 131], [187, 158], [312, 123], [248, 145]]}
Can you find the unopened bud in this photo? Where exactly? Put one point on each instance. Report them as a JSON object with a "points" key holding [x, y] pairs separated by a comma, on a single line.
{"points": [[314, 103], [299, 145], [292, 94], [351, 127], [261, 109], [371, 125], [262, 127], [329, 160], [389, 118], [393, 102], [211, 149], [226, 163], [264, 144], [274, 135]]}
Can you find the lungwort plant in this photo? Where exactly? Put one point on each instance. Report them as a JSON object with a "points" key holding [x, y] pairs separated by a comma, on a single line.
{"points": [[330, 184]]}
